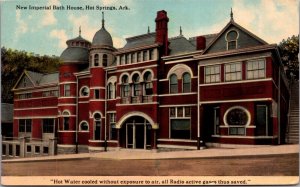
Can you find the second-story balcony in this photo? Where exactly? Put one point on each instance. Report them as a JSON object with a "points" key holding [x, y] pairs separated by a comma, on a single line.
{"points": [[137, 99]]}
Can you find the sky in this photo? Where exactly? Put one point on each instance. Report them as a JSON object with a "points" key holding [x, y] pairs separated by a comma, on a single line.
{"points": [[45, 32]]}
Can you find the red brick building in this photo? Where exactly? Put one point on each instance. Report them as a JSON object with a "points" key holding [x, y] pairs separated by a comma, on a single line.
{"points": [[155, 92]]}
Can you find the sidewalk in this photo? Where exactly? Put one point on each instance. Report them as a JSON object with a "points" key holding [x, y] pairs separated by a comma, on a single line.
{"points": [[151, 154]]}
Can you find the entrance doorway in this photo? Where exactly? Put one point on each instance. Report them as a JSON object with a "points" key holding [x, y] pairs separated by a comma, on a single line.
{"points": [[137, 133]]}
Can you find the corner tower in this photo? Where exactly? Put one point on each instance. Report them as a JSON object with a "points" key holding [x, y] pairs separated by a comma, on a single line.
{"points": [[100, 57], [75, 58]]}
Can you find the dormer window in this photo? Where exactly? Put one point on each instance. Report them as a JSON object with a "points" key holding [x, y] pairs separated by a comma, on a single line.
{"points": [[231, 38]]}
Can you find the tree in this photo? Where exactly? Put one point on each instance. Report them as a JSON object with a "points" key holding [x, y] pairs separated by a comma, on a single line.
{"points": [[14, 62], [289, 50]]}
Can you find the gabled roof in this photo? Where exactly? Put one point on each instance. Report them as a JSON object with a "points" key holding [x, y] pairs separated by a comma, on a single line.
{"points": [[233, 23], [38, 79]]}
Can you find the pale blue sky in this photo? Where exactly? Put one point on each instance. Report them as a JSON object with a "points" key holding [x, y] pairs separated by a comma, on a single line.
{"points": [[46, 31]]}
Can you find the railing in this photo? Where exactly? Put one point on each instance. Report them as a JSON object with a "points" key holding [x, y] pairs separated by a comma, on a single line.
{"points": [[137, 99]]}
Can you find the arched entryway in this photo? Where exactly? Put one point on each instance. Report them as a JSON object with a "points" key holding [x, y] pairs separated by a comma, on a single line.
{"points": [[135, 133]]}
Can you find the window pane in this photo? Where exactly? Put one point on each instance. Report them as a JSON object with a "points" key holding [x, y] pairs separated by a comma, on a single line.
{"points": [[207, 70], [180, 128], [172, 112], [237, 117], [261, 73], [250, 74], [261, 65], [180, 112], [217, 69], [187, 111]]}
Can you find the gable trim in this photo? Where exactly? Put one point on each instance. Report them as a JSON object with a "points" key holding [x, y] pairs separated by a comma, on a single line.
{"points": [[239, 27], [21, 77]]}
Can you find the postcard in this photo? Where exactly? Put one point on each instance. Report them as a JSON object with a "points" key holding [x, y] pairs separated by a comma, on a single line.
{"points": [[149, 92]]}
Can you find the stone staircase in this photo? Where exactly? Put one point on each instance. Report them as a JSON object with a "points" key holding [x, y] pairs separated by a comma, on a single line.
{"points": [[293, 126]]}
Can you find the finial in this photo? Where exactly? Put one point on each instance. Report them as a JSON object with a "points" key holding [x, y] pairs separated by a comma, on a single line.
{"points": [[231, 15], [79, 30], [148, 29], [180, 31], [102, 19]]}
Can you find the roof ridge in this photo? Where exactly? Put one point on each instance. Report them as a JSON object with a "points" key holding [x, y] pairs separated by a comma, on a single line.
{"points": [[140, 36]]}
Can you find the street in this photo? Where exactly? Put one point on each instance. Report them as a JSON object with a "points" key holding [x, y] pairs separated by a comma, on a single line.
{"points": [[263, 165]]}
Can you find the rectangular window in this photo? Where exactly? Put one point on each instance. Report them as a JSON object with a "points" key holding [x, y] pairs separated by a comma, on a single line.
{"points": [[54, 93], [139, 54], [212, 74], [133, 58], [233, 71], [151, 54], [261, 121], [3, 149], [236, 130], [37, 149], [126, 58], [48, 125], [145, 55], [25, 96], [45, 150], [28, 148], [216, 120], [17, 150], [113, 130], [25, 125], [256, 69], [180, 122], [125, 91], [180, 128], [10, 150], [232, 45], [46, 93], [66, 123], [97, 132], [97, 94], [67, 91]]}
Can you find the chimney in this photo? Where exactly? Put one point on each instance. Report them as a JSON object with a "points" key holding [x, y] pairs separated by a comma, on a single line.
{"points": [[200, 42], [162, 30]]}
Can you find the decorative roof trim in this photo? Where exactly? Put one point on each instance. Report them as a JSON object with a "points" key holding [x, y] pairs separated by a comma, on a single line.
{"points": [[232, 22], [236, 51]]}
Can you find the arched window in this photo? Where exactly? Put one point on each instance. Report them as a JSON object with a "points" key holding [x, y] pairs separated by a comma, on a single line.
{"points": [[111, 91], [97, 126], [231, 38], [96, 60], [66, 120], [125, 86], [104, 60], [148, 83], [186, 83], [173, 84], [84, 126], [84, 91], [136, 85]]}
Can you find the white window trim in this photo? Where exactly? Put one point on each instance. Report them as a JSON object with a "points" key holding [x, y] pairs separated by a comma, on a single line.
{"points": [[81, 90], [238, 35], [241, 64], [183, 117], [265, 69], [210, 66], [237, 107], [84, 121]]}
